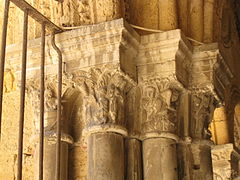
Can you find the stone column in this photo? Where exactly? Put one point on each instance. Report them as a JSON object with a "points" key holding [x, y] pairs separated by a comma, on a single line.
{"points": [[103, 109], [106, 156], [50, 134], [225, 161], [160, 159], [202, 107], [134, 159], [153, 14], [49, 162], [159, 101]]}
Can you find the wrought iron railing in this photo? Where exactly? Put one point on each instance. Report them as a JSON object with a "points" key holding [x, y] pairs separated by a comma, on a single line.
{"points": [[46, 23]]}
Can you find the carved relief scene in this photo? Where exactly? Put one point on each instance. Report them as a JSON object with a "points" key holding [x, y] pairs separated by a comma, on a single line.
{"points": [[120, 90]]}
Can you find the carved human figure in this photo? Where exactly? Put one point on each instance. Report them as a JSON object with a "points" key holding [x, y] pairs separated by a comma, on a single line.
{"points": [[50, 99], [154, 109], [116, 104], [91, 106], [202, 115]]}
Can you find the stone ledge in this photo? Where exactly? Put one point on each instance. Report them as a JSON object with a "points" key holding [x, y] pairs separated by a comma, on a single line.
{"points": [[90, 45]]}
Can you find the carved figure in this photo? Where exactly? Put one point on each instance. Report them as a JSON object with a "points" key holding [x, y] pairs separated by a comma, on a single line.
{"points": [[50, 99], [156, 113], [104, 96]]}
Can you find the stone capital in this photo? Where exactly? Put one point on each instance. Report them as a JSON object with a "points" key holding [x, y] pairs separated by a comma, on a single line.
{"points": [[159, 105], [203, 102], [104, 92]]}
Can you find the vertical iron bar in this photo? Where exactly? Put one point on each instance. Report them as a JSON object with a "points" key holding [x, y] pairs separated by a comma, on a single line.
{"points": [[2, 56], [42, 87], [59, 126], [22, 98]]}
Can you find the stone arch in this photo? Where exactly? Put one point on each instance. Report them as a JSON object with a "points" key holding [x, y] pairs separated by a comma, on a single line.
{"points": [[72, 108], [69, 100]]}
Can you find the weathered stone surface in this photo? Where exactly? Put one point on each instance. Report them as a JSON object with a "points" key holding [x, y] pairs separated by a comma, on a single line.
{"points": [[159, 159], [219, 126], [202, 164], [134, 159], [49, 162], [106, 157], [178, 86], [225, 162]]}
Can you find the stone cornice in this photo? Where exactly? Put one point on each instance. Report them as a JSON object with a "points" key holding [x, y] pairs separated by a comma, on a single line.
{"points": [[90, 45], [203, 60], [223, 76], [165, 53]]}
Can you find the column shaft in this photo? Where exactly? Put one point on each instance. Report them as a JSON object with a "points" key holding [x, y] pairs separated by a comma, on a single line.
{"points": [[134, 159], [49, 160], [105, 156], [160, 159]]}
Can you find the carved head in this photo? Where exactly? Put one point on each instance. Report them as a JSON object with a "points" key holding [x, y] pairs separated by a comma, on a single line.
{"points": [[151, 92], [111, 90]]}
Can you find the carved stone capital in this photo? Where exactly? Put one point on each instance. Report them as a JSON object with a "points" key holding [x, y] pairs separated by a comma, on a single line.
{"points": [[158, 104], [50, 101], [202, 108], [104, 94]]}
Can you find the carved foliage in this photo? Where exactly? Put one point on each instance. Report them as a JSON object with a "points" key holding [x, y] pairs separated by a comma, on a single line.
{"points": [[50, 101], [104, 92], [159, 102], [202, 107]]}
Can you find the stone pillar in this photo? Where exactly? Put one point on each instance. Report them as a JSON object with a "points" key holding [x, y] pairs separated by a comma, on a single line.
{"points": [[103, 109], [134, 159], [160, 159], [202, 107], [106, 156], [225, 161], [49, 162], [153, 14], [159, 124], [50, 134], [202, 164]]}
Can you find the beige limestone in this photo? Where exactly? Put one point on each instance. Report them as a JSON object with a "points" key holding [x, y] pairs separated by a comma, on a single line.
{"points": [[112, 56], [159, 159], [105, 156], [134, 159], [225, 162], [219, 126], [202, 163], [49, 164]]}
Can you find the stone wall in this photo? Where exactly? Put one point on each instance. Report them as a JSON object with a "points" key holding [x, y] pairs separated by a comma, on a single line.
{"points": [[198, 19]]}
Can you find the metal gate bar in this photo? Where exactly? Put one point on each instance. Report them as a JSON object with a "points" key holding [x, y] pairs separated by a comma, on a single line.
{"points": [[58, 152], [22, 95], [42, 87], [46, 23]]}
